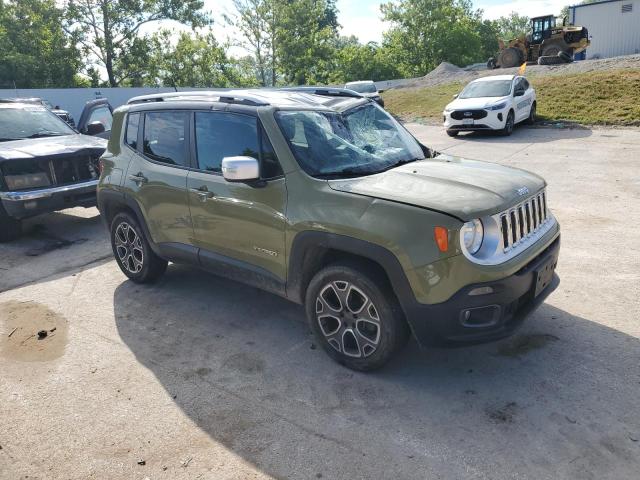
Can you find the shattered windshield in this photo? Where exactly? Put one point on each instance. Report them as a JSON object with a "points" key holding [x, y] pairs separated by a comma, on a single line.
{"points": [[361, 141], [30, 122]]}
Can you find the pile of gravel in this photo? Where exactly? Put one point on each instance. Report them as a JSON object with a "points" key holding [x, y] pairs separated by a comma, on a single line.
{"points": [[448, 73]]}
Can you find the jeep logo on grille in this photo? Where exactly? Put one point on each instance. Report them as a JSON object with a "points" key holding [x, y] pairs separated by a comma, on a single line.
{"points": [[468, 114], [522, 191]]}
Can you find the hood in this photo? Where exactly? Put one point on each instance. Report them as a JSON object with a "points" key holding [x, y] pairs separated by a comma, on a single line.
{"points": [[475, 103], [50, 146], [465, 189]]}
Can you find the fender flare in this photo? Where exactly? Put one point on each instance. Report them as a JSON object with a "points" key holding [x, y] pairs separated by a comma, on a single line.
{"points": [[307, 244]]}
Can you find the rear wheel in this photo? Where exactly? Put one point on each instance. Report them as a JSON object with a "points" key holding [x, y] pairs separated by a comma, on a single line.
{"points": [[355, 317], [10, 228], [508, 124], [532, 114], [453, 133], [135, 257]]}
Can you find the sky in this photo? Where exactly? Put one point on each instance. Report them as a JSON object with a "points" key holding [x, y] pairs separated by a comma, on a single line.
{"points": [[362, 17]]}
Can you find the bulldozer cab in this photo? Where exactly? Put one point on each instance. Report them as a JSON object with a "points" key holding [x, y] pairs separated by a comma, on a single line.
{"points": [[541, 28]]}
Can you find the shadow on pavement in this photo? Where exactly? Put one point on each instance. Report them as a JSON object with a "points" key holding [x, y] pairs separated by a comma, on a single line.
{"points": [[559, 399], [527, 134]]}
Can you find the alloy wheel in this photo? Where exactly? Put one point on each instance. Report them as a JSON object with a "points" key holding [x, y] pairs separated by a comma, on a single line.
{"points": [[129, 248], [348, 319]]}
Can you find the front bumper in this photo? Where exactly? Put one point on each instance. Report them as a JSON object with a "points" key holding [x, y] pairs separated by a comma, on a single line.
{"points": [[495, 120], [27, 203], [466, 318]]}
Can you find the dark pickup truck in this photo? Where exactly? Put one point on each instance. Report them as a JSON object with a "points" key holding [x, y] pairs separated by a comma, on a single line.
{"points": [[46, 165]]}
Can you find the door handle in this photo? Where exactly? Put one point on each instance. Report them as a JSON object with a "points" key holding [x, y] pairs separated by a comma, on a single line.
{"points": [[203, 192], [138, 178]]}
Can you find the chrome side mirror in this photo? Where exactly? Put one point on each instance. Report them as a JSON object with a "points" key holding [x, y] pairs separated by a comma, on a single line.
{"points": [[240, 169]]}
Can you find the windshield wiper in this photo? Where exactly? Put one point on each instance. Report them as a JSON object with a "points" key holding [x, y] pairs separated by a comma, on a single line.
{"points": [[45, 134]]}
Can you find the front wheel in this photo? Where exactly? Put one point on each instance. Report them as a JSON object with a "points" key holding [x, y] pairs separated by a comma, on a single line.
{"points": [[508, 125], [135, 257], [355, 317]]}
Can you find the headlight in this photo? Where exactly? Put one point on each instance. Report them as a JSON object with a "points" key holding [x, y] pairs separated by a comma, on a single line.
{"points": [[499, 106], [448, 109], [471, 235]]}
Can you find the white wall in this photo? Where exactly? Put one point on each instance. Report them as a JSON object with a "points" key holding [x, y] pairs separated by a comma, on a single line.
{"points": [[74, 99], [612, 32]]}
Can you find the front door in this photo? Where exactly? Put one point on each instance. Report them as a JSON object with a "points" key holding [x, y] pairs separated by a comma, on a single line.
{"points": [[523, 103], [237, 226], [96, 111], [157, 175]]}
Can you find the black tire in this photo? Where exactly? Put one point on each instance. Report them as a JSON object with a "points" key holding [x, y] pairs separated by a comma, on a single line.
{"points": [[532, 114], [349, 335], [510, 57], [131, 249], [509, 124], [453, 133], [550, 60], [10, 228], [491, 64], [565, 57]]}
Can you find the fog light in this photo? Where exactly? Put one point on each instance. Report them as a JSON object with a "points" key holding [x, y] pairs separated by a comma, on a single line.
{"points": [[481, 291], [500, 116], [30, 205]]}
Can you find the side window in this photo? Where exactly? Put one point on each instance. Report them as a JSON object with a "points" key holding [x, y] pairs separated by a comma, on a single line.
{"points": [[525, 84], [131, 134], [220, 135], [270, 166], [164, 137], [103, 115]]}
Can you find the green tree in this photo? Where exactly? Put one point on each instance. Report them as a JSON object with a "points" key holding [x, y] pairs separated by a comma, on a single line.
{"points": [[108, 30], [355, 61], [306, 31], [256, 21], [512, 26], [425, 33], [194, 60], [35, 52]]}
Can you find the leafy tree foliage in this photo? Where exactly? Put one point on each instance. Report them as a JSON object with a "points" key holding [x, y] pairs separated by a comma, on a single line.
{"points": [[108, 29], [34, 50], [195, 60], [512, 26], [425, 33]]}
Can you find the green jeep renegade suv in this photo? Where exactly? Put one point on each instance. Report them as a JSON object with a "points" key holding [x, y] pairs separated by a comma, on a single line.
{"points": [[322, 197]]}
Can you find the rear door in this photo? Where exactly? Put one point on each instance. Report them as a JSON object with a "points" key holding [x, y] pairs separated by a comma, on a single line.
{"points": [[157, 175], [237, 223], [96, 111]]}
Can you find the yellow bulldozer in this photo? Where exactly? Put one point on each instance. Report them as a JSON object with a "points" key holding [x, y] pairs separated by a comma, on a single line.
{"points": [[546, 44]]}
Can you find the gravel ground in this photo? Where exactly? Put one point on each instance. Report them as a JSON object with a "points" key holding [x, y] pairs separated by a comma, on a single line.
{"points": [[198, 377], [448, 73]]}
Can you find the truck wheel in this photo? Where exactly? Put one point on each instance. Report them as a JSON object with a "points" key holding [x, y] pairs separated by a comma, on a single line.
{"points": [[509, 124], [510, 57], [355, 317], [10, 228], [132, 251], [453, 133], [491, 64]]}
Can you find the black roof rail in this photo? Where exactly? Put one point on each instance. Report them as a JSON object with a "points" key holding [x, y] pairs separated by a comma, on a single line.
{"points": [[324, 91], [201, 96]]}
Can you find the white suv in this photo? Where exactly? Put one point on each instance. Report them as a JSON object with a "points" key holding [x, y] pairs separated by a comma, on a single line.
{"points": [[491, 103], [368, 89]]}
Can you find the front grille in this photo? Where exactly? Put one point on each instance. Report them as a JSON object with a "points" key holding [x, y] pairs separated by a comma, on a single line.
{"points": [[523, 220], [474, 114]]}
